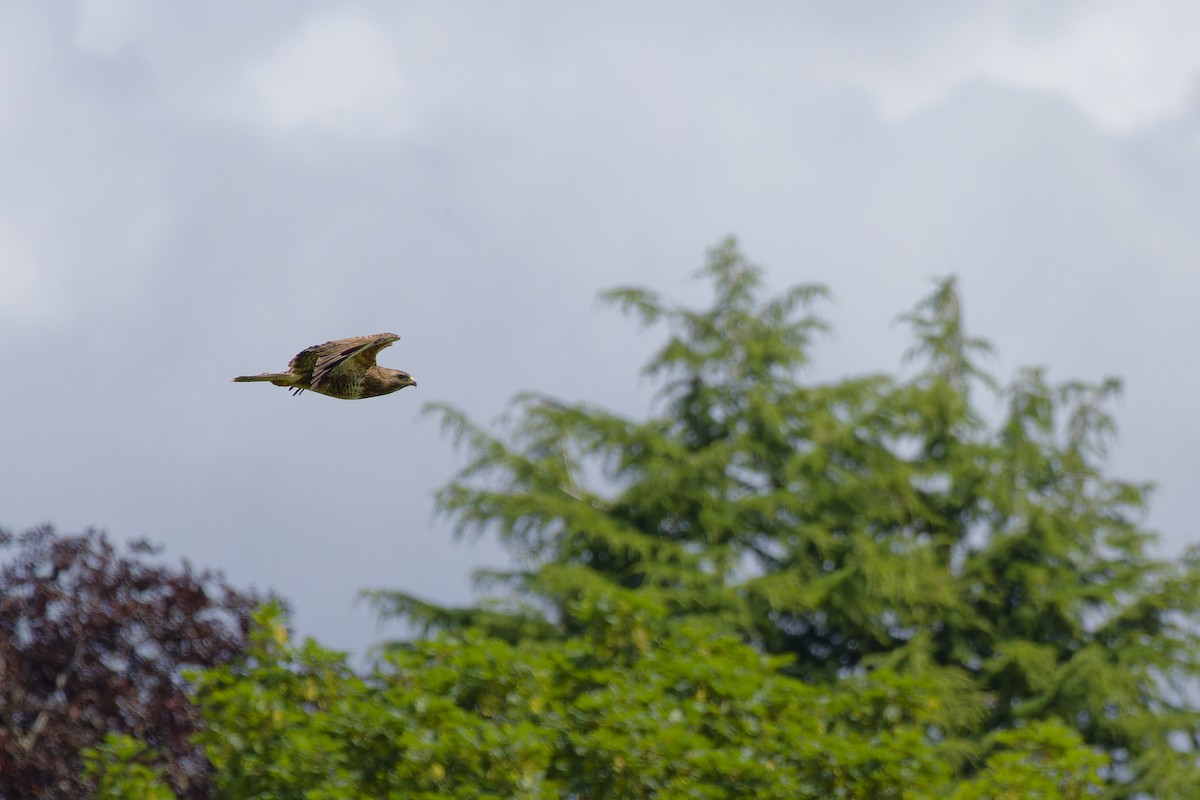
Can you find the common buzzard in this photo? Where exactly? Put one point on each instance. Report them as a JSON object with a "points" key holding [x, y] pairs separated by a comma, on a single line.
{"points": [[343, 368]]}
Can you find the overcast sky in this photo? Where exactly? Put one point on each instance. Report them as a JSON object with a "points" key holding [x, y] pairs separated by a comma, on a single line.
{"points": [[194, 191]]}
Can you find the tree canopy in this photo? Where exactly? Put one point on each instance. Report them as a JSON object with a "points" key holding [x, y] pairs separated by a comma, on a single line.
{"points": [[872, 522], [618, 713]]}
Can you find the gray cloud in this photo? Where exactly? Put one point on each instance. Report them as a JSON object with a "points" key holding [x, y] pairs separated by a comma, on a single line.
{"points": [[193, 193]]}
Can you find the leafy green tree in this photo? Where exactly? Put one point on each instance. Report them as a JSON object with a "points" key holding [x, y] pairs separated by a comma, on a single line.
{"points": [[622, 712], [879, 522]]}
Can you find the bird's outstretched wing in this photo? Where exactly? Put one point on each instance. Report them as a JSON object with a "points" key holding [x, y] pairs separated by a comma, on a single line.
{"points": [[347, 355]]}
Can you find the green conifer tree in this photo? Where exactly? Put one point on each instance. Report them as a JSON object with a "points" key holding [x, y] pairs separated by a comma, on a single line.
{"points": [[869, 522]]}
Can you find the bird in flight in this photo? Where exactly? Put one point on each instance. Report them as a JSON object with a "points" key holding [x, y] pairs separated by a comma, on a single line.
{"points": [[343, 368]]}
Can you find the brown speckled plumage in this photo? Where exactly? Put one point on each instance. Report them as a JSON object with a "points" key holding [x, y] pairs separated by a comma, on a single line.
{"points": [[343, 368]]}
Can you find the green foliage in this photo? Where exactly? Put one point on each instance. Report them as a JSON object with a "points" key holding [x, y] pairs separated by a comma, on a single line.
{"points": [[874, 522], [121, 767], [1040, 762], [614, 714]]}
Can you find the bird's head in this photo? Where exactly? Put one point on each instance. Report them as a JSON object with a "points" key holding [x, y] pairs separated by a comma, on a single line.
{"points": [[400, 379]]}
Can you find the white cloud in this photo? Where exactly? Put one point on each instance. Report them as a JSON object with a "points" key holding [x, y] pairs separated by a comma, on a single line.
{"points": [[1127, 66], [337, 73]]}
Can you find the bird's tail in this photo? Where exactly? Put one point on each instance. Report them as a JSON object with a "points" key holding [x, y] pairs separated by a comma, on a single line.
{"points": [[277, 378]]}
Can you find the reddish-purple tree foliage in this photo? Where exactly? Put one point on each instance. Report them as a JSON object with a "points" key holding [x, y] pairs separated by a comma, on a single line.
{"points": [[93, 641]]}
